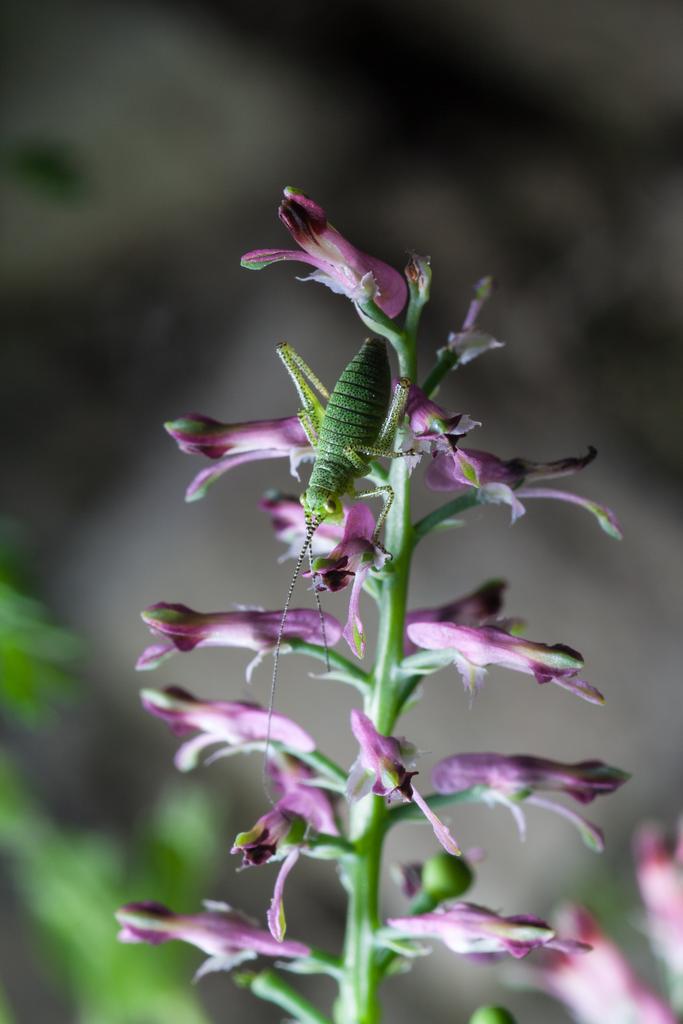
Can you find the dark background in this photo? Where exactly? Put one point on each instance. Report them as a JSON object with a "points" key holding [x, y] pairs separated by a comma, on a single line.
{"points": [[144, 149]]}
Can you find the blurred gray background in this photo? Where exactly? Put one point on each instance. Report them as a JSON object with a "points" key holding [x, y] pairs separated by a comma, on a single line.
{"points": [[540, 143]]}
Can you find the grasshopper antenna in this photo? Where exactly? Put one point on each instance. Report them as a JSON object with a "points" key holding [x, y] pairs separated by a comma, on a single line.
{"points": [[319, 606], [311, 527]]}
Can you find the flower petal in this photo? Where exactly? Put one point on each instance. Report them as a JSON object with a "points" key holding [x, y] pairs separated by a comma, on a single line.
{"points": [[340, 265], [200, 484], [606, 518], [276, 912]]}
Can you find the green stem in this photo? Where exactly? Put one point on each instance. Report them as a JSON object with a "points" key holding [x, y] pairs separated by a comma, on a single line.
{"points": [[437, 801], [451, 508], [319, 962], [358, 1003], [320, 762], [270, 986], [446, 361], [325, 766], [414, 312], [354, 676]]}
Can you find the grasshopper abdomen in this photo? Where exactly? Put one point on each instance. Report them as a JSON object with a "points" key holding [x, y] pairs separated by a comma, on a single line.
{"points": [[353, 419]]}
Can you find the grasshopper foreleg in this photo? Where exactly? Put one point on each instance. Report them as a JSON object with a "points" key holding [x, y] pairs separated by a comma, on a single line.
{"points": [[306, 384], [309, 429]]}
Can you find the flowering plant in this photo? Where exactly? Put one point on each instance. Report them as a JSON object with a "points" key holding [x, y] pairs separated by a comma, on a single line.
{"points": [[365, 419], [604, 988]]}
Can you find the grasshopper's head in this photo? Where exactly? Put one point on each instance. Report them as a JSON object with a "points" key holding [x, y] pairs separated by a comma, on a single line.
{"points": [[321, 506]]}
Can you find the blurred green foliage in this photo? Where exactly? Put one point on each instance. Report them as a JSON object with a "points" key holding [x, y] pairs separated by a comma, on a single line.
{"points": [[71, 881], [36, 656], [47, 168]]}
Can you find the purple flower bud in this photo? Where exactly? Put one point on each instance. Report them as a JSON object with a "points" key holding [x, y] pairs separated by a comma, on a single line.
{"points": [[380, 769], [409, 878], [237, 443], [227, 936], [230, 723], [472, 930], [350, 562], [512, 779], [469, 342], [419, 275], [659, 867], [478, 608], [339, 265], [289, 524], [474, 648], [483, 290], [600, 988], [256, 630]]}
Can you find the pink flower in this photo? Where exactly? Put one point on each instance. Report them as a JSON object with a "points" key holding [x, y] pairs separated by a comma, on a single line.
{"points": [[237, 443], [514, 779], [476, 931], [433, 428], [256, 630], [338, 264], [227, 936], [472, 649], [659, 867], [233, 724], [600, 988], [289, 525], [350, 562], [282, 832], [299, 797], [478, 608], [381, 769], [500, 481]]}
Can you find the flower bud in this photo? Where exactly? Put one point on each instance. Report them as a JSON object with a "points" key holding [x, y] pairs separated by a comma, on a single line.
{"points": [[445, 877], [419, 276], [336, 262], [492, 1015]]}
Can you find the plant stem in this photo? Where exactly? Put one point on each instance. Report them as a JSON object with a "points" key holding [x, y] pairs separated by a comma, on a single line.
{"points": [[437, 801], [451, 508], [446, 362], [354, 676], [269, 985], [358, 1003]]}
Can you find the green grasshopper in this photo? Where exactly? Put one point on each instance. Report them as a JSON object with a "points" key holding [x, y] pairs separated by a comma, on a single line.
{"points": [[358, 423]]}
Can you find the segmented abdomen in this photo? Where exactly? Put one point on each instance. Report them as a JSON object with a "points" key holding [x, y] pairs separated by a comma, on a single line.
{"points": [[353, 416]]}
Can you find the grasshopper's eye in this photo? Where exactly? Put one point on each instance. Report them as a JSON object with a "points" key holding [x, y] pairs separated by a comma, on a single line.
{"points": [[302, 499], [331, 506]]}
